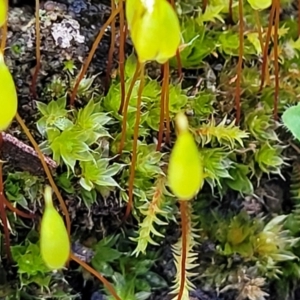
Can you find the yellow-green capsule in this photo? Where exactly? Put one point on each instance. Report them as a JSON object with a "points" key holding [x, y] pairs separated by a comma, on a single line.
{"points": [[154, 29], [54, 239], [260, 4], [185, 171], [3, 12], [8, 96]]}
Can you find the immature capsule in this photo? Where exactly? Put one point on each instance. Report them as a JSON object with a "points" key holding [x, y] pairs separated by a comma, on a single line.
{"points": [[54, 239], [3, 12], [260, 4], [185, 171], [154, 28], [8, 96]]}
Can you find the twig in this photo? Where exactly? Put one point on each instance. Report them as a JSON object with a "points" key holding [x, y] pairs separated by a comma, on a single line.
{"points": [[24, 147]]}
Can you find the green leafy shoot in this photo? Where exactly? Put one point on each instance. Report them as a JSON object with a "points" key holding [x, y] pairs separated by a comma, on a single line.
{"points": [[149, 168], [240, 180], [98, 173], [151, 211], [70, 136], [85, 89], [130, 66], [149, 161], [22, 188], [229, 43], [54, 116], [225, 134], [216, 165], [91, 121], [177, 100], [31, 267], [69, 146], [270, 159], [132, 277], [202, 105], [261, 125], [273, 244], [57, 88], [266, 243], [69, 66], [235, 237], [136, 281], [106, 254], [198, 44], [211, 14]]}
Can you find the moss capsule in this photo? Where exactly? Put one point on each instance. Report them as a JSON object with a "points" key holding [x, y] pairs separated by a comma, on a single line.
{"points": [[260, 4], [54, 239], [8, 96], [155, 29], [185, 172]]}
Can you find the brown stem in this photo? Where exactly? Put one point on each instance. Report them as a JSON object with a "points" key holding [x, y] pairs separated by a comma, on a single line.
{"points": [[240, 63], [298, 17], [91, 53], [97, 275], [4, 30], [17, 211], [260, 37], [162, 109], [122, 56], [265, 53], [126, 104], [258, 25], [47, 171], [204, 5], [179, 65], [135, 143], [4, 217], [183, 212], [167, 104], [112, 46], [276, 66], [37, 48]]}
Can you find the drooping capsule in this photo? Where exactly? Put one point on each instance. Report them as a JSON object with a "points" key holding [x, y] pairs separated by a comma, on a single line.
{"points": [[8, 96], [185, 171], [260, 4], [54, 239], [154, 29]]}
